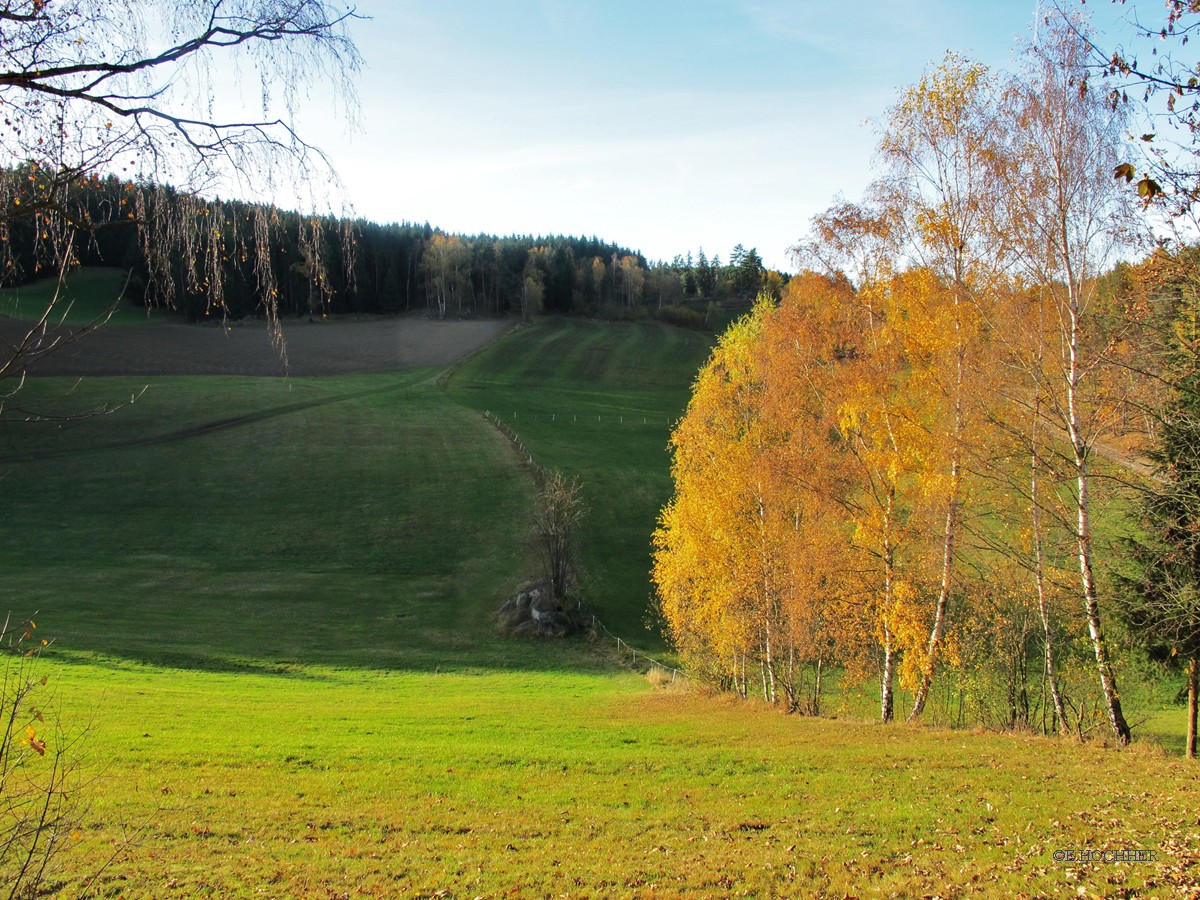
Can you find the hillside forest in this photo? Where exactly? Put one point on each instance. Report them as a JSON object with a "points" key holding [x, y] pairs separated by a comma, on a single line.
{"points": [[958, 460], [226, 258]]}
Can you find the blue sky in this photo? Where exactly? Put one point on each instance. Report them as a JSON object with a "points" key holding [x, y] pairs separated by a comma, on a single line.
{"points": [[665, 126]]}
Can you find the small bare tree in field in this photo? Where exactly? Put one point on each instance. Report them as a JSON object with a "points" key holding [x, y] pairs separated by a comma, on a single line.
{"points": [[560, 508]]}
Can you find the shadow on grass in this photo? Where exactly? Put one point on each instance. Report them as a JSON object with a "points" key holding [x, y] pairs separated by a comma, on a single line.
{"points": [[201, 430], [575, 655]]}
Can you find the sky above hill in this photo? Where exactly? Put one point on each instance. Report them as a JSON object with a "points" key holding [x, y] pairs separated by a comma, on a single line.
{"points": [[662, 125]]}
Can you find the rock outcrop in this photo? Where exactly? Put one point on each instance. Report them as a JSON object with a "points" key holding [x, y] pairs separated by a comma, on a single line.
{"points": [[532, 611]]}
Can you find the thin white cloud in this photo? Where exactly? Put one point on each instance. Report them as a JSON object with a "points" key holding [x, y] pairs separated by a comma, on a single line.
{"points": [[806, 23], [889, 32]]}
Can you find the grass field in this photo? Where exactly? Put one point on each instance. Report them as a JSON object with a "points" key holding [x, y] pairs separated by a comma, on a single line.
{"points": [[599, 402], [87, 295], [271, 602], [363, 531], [584, 784]]}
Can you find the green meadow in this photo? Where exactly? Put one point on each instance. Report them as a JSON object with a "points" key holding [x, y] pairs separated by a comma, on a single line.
{"points": [[271, 604], [598, 402], [84, 297]]}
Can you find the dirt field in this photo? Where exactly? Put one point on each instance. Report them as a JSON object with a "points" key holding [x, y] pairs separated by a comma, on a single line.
{"points": [[313, 348]]}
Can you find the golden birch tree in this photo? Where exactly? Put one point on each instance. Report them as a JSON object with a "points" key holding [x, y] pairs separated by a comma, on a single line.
{"points": [[808, 342], [1062, 214], [882, 423], [702, 540], [935, 148], [733, 553]]}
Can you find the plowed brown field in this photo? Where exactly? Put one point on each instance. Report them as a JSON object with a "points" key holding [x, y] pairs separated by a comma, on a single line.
{"points": [[328, 347]]}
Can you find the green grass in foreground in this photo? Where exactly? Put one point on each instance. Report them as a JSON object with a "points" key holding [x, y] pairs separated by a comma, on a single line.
{"points": [[598, 401], [559, 784], [87, 295]]}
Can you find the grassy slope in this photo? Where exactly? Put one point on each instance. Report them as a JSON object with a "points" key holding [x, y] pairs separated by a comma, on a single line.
{"points": [[87, 295], [597, 401], [278, 638], [360, 532]]}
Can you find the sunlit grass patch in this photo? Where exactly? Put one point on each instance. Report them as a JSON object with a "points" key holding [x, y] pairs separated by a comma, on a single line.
{"points": [[552, 783]]}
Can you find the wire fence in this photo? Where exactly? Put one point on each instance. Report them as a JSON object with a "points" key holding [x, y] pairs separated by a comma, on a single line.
{"points": [[590, 418], [541, 473], [623, 649]]}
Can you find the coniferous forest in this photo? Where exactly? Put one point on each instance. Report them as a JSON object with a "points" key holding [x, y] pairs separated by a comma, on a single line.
{"points": [[229, 255]]}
